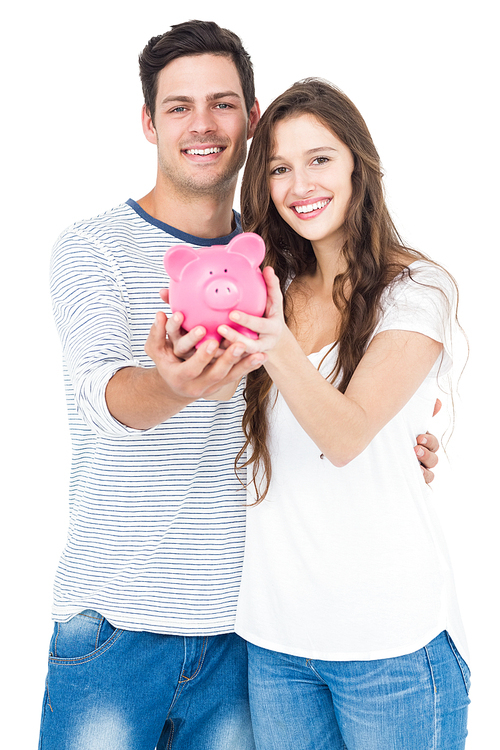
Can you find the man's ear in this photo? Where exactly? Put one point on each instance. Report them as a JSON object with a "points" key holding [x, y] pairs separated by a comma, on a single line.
{"points": [[253, 119], [147, 126]]}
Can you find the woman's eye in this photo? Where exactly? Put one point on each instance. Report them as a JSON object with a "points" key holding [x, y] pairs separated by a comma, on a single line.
{"points": [[321, 160], [279, 170]]}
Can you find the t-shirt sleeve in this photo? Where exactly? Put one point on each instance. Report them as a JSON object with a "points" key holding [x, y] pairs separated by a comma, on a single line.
{"points": [[424, 301], [90, 315]]}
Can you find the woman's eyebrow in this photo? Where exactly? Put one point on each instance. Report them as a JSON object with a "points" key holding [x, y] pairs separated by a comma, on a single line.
{"points": [[321, 148], [309, 151]]}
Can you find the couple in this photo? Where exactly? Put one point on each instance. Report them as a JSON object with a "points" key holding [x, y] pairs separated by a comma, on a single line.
{"points": [[346, 601]]}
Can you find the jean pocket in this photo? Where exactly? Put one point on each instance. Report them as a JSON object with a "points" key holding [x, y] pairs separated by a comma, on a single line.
{"points": [[461, 663], [81, 636]]}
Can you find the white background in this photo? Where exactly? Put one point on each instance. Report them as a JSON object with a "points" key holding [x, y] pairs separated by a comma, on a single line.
{"points": [[425, 78]]}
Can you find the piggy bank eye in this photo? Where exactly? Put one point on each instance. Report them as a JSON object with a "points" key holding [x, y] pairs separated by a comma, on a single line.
{"points": [[225, 270], [211, 273]]}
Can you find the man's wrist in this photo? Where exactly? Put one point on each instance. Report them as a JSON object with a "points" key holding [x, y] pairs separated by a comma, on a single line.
{"points": [[140, 398], [165, 392]]}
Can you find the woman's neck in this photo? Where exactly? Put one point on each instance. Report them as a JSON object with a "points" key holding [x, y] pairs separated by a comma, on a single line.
{"points": [[330, 262]]}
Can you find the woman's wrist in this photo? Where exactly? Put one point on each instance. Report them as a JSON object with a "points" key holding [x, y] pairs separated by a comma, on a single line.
{"points": [[285, 351]]}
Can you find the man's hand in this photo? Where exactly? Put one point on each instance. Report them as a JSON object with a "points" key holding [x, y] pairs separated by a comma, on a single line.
{"points": [[142, 398], [183, 342], [426, 448], [195, 373]]}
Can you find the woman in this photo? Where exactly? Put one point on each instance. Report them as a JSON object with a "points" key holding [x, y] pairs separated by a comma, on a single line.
{"points": [[347, 601]]}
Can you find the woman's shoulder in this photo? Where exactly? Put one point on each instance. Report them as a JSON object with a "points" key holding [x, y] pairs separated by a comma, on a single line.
{"points": [[422, 297], [422, 275]]}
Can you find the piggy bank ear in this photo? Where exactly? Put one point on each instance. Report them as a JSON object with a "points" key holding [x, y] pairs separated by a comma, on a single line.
{"points": [[250, 245], [177, 258]]}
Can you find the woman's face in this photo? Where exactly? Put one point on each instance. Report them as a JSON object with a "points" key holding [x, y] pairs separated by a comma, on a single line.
{"points": [[310, 179]]}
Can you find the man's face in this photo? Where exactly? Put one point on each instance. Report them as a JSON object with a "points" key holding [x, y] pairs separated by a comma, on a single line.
{"points": [[201, 125]]}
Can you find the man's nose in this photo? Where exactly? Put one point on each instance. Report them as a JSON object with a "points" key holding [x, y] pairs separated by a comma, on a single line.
{"points": [[202, 122]]}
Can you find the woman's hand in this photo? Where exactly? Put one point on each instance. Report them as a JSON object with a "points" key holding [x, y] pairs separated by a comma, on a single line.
{"points": [[271, 328]]}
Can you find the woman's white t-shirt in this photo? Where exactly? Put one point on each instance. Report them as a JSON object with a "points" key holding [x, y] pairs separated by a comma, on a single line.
{"points": [[350, 563]]}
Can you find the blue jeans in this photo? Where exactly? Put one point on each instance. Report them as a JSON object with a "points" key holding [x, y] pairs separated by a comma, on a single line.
{"points": [[110, 689], [413, 702]]}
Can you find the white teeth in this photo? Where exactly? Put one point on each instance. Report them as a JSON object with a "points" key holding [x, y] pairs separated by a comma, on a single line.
{"points": [[203, 151], [310, 207]]}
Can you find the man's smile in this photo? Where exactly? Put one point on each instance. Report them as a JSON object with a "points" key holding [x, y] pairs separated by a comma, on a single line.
{"points": [[204, 151]]}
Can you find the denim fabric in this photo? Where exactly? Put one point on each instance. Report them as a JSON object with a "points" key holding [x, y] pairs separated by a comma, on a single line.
{"points": [[413, 702], [111, 689]]}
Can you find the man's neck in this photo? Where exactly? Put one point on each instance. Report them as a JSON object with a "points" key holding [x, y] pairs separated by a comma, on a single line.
{"points": [[200, 216]]}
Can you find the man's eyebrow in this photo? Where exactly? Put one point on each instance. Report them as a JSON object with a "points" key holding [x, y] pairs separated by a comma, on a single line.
{"points": [[222, 95], [177, 98], [318, 150], [209, 97]]}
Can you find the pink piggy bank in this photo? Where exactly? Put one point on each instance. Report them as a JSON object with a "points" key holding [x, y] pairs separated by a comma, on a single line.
{"points": [[207, 283]]}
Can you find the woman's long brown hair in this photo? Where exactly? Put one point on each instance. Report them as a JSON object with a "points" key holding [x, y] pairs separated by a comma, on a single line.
{"points": [[373, 251]]}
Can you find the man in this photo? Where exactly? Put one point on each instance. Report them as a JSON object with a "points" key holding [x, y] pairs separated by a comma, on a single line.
{"points": [[143, 654]]}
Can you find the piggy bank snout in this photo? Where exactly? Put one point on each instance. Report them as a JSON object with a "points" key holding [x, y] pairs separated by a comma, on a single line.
{"points": [[221, 294]]}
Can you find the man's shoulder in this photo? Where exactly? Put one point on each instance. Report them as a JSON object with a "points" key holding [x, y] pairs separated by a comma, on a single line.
{"points": [[128, 223], [109, 221]]}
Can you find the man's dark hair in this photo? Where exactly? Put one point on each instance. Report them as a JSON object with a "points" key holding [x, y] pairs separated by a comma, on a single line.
{"points": [[193, 38]]}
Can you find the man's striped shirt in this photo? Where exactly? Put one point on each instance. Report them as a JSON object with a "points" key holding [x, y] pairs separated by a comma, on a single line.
{"points": [[157, 517]]}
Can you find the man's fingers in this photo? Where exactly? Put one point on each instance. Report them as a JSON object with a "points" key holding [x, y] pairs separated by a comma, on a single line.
{"points": [[193, 367], [206, 371], [174, 325], [164, 295], [155, 341], [428, 475], [437, 407], [209, 367], [205, 365], [428, 441], [231, 370], [183, 343], [201, 374], [234, 362], [427, 458]]}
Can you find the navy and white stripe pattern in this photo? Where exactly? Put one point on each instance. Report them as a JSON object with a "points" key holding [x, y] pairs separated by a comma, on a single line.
{"points": [[157, 517]]}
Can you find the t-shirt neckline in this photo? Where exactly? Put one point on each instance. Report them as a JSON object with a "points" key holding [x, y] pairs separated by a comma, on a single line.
{"points": [[184, 236]]}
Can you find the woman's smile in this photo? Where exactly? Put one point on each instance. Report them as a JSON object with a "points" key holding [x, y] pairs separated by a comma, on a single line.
{"points": [[309, 209]]}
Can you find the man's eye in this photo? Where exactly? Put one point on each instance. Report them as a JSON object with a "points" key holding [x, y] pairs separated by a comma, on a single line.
{"points": [[222, 105], [178, 109]]}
